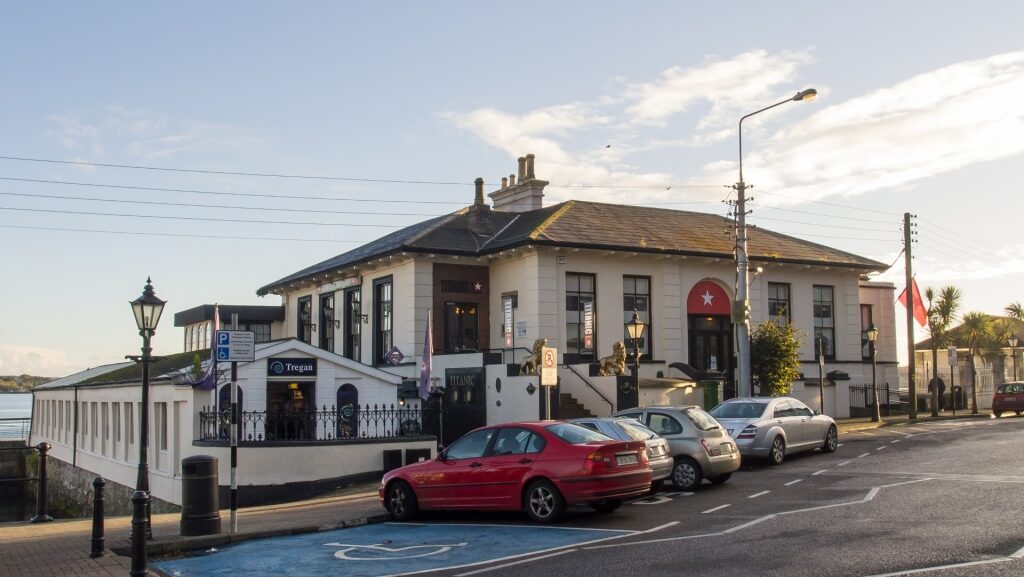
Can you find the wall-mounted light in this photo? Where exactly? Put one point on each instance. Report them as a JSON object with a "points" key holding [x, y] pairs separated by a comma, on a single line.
{"points": [[365, 319]]}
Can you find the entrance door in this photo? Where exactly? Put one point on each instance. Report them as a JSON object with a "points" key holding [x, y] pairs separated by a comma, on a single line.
{"points": [[711, 345], [465, 404], [461, 331]]}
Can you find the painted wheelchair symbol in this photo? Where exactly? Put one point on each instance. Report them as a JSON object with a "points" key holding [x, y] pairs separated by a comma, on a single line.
{"points": [[381, 552]]}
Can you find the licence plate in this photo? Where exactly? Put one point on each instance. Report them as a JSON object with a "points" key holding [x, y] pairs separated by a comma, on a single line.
{"points": [[1009, 398], [626, 459]]}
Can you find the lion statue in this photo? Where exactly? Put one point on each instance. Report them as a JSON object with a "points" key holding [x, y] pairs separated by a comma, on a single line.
{"points": [[615, 363], [528, 366]]}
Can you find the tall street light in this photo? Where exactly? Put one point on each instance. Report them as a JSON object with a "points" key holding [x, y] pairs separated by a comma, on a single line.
{"points": [[635, 330], [147, 309], [872, 333], [741, 308], [1013, 341]]}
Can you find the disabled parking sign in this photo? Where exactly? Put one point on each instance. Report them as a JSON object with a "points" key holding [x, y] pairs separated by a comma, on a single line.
{"points": [[236, 346]]}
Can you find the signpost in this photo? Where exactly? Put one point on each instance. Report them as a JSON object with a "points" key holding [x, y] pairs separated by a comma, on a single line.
{"points": [[234, 346], [951, 352], [548, 374]]}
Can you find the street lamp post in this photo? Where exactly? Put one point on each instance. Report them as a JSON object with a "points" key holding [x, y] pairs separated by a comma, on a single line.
{"points": [[740, 309], [872, 333], [147, 309], [635, 329], [1013, 342]]}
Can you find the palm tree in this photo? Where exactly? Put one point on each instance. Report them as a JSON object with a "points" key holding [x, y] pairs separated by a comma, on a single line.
{"points": [[941, 315], [975, 330], [1015, 311]]}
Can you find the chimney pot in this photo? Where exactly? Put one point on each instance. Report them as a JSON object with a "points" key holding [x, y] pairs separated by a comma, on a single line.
{"points": [[522, 168], [529, 167], [504, 182], [478, 199], [511, 180]]}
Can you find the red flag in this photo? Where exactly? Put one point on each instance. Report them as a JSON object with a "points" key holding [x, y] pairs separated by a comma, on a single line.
{"points": [[920, 314]]}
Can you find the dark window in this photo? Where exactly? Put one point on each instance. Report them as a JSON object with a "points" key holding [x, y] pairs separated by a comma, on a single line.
{"points": [[327, 322], [353, 323], [636, 295], [513, 442], [261, 331], [824, 321], [576, 435], [460, 327], [470, 446], [865, 323], [383, 322], [305, 319], [580, 315], [778, 303]]}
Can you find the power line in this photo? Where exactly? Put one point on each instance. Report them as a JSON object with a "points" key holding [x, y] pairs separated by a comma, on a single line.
{"points": [[219, 193], [198, 218], [823, 224], [180, 235], [331, 178], [848, 207], [218, 206], [807, 212]]}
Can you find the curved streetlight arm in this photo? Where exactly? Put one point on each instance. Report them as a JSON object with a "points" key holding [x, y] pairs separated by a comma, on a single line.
{"points": [[808, 94]]}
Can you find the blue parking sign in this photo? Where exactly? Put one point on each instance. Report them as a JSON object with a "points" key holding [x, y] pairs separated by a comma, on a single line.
{"points": [[223, 353], [223, 338]]}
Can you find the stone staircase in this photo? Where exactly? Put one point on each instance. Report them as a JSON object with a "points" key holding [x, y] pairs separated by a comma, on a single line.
{"points": [[570, 408]]}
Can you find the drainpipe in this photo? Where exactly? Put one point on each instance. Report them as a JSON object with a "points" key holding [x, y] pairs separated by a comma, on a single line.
{"points": [[74, 433]]}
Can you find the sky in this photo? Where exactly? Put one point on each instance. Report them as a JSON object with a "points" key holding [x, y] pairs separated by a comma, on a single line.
{"points": [[377, 115]]}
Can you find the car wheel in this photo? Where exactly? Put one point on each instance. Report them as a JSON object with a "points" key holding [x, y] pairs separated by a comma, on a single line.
{"points": [[686, 475], [402, 501], [831, 440], [777, 454], [544, 504], [606, 506], [720, 479]]}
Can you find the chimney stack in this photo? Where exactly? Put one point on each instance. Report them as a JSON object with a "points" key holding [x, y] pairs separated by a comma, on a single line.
{"points": [[521, 194], [478, 199]]}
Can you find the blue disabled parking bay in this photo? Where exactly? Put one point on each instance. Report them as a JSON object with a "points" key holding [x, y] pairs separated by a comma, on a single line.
{"points": [[383, 550]]}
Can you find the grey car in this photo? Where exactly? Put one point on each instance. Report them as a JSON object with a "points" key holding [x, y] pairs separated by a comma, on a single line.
{"points": [[772, 427], [626, 429], [701, 448]]}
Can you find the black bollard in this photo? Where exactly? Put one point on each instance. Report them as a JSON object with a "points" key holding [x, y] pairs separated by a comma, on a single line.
{"points": [[97, 517], [140, 500], [42, 505]]}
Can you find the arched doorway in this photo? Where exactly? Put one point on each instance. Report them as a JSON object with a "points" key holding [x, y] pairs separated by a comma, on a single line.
{"points": [[348, 412], [709, 326]]}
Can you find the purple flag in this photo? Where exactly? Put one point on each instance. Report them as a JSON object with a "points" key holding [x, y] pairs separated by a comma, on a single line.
{"points": [[209, 380], [428, 352]]}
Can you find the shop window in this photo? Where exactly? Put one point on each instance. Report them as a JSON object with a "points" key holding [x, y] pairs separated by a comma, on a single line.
{"points": [[460, 327], [580, 319], [636, 295], [824, 320]]}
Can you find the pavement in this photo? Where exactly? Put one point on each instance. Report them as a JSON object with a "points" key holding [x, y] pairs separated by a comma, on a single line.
{"points": [[61, 548]]}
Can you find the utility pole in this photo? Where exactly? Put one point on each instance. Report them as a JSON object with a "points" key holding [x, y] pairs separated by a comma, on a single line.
{"points": [[740, 307], [908, 266]]}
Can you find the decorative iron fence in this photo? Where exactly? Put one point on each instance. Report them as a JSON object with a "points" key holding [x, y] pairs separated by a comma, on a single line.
{"points": [[348, 423], [862, 401]]}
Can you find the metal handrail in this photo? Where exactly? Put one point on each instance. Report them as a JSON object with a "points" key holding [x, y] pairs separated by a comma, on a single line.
{"points": [[592, 387]]}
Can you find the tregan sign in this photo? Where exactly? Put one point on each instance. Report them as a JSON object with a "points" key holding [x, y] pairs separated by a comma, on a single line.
{"points": [[291, 367]]}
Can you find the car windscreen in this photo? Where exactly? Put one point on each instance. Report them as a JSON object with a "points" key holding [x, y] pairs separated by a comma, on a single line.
{"points": [[702, 420], [738, 410], [576, 435], [635, 430]]}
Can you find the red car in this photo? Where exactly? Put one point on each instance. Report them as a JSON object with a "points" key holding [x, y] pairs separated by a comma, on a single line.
{"points": [[540, 467], [1008, 397]]}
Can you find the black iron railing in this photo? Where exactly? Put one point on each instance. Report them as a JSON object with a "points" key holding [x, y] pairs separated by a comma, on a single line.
{"points": [[326, 424], [862, 401]]}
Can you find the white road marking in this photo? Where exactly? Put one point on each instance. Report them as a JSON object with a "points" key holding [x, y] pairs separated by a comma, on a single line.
{"points": [[1019, 554], [941, 567], [894, 441], [816, 473], [882, 447], [862, 456], [520, 562], [843, 464], [839, 445], [793, 482], [756, 495], [748, 524], [718, 508]]}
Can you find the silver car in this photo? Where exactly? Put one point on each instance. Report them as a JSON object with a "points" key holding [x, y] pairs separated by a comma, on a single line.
{"points": [[701, 449], [771, 427], [625, 429]]}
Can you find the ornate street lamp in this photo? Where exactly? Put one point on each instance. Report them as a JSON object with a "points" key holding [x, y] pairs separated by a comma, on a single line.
{"points": [[147, 309], [872, 334], [1013, 341], [740, 306], [635, 329]]}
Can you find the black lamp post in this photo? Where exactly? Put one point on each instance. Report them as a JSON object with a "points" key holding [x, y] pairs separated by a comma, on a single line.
{"points": [[872, 334], [147, 309], [1013, 342], [635, 329]]}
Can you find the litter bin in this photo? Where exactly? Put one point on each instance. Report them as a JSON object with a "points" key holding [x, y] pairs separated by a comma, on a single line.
{"points": [[200, 509], [712, 393]]}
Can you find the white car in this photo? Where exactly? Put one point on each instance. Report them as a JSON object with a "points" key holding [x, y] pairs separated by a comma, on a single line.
{"points": [[771, 427]]}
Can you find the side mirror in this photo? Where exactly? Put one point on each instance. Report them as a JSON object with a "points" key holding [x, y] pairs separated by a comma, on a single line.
{"points": [[815, 412]]}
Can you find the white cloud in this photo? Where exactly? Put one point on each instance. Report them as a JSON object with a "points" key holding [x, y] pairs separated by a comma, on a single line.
{"points": [[933, 123], [36, 361]]}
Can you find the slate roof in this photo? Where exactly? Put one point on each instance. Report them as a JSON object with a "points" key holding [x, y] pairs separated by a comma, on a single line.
{"points": [[474, 231]]}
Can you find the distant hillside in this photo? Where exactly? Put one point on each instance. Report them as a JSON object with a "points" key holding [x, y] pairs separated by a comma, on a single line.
{"points": [[21, 383]]}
